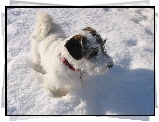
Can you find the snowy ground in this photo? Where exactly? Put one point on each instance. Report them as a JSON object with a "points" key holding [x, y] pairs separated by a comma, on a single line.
{"points": [[127, 89]]}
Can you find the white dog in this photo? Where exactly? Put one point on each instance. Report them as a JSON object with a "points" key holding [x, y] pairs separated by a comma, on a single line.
{"points": [[67, 61]]}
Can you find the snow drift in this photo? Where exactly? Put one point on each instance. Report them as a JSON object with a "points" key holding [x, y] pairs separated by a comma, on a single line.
{"points": [[127, 89]]}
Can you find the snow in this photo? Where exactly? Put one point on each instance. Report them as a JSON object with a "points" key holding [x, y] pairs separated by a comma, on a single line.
{"points": [[127, 89]]}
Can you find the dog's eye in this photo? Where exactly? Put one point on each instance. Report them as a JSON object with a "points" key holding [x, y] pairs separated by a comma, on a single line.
{"points": [[98, 39], [92, 53]]}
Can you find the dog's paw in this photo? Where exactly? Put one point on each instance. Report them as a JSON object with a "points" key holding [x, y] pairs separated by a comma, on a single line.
{"points": [[58, 93]]}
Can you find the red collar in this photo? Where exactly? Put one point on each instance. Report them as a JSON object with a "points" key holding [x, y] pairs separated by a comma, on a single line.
{"points": [[65, 61]]}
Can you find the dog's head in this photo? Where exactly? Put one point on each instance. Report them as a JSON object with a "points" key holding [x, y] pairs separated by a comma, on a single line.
{"points": [[87, 47]]}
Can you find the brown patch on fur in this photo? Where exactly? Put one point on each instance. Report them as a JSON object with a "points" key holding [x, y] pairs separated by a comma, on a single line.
{"points": [[78, 37], [94, 33], [91, 30]]}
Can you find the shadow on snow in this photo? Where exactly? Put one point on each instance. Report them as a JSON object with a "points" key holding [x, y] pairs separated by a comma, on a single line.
{"points": [[121, 91]]}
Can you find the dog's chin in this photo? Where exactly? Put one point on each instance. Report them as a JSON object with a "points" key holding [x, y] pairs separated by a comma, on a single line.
{"points": [[94, 69], [99, 65], [97, 71]]}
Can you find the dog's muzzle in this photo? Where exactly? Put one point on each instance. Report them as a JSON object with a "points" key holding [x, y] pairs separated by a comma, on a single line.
{"points": [[110, 65]]}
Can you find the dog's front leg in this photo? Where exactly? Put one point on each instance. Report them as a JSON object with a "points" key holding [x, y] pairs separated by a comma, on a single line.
{"points": [[49, 83], [60, 92]]}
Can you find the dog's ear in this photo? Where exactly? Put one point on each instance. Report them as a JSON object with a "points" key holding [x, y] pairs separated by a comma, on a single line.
{"points": [[75, 46]]}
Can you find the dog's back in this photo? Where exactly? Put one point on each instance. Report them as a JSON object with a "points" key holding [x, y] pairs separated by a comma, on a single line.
{"points": [[43, 26], [45, 32]]}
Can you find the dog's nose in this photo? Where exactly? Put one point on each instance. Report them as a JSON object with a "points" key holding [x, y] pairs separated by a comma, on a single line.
{"points": [[110, 65]]}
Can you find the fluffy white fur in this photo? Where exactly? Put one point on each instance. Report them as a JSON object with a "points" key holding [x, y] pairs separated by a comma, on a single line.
{"points": [[47, 45]]}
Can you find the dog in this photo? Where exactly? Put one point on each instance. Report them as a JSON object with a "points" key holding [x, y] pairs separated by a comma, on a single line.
{"points": [[67, 61]]}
